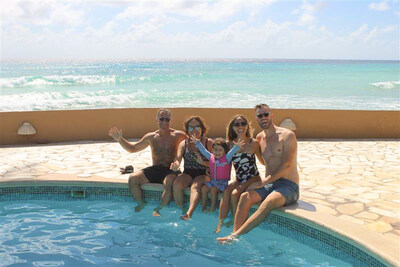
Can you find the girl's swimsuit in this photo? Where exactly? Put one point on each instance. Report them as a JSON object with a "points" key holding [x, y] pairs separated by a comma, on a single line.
{"points": [[190, 165], [220, 169]]}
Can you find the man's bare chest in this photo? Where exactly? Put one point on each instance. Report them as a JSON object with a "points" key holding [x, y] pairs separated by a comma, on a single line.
{"points": [[272, 148], [164, 144]]}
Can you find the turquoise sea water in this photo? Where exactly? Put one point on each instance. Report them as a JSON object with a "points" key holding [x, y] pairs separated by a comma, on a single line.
{"points": [[102, 233], [310, 84]]}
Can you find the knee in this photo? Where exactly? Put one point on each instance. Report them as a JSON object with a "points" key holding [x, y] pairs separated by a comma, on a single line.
{"points": [[169, 180], [133, 180], [235, 195], [196, 186], [178, 184], [244, 198], [214, 190], [204, 189]]}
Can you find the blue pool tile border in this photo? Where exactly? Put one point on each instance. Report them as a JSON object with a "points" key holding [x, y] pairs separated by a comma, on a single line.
{"points": [[313, 237]]}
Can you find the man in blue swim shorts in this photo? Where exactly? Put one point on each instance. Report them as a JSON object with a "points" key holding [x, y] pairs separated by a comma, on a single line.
{"points": [[279, 187]]}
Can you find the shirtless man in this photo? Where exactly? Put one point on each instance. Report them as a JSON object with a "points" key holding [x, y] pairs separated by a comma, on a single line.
{"points": [[164, 143], [279, 187]]}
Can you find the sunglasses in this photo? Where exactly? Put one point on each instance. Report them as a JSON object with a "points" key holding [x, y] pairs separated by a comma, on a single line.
{"points": [[164, 119], [266, 114], [191, 128], [237, 124]]}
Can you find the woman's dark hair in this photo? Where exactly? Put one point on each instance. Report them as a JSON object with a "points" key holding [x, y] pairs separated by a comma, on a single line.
{"points": [[200, 120], [231, 134]]}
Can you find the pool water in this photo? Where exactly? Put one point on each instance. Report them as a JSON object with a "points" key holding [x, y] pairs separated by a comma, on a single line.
{"points": [[84, 233]]}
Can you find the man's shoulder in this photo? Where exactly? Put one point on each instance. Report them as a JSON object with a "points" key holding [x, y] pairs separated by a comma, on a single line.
{"points": [[151, 134], [286, 133], [177, 132]]}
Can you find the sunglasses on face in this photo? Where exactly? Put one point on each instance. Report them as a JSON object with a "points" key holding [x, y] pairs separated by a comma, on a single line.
{"points": [[164, 119], [266, 114], [237, 124], [191, 128]]}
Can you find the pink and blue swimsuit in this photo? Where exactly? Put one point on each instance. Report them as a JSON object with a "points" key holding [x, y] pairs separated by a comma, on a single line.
{"points": [[220, 169]]}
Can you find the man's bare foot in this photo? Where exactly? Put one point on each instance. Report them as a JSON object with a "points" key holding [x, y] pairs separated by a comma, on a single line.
{"points": [[227, 240], [185, 217], [210, 210], [139, 207], [218, 228], [204, 210]]}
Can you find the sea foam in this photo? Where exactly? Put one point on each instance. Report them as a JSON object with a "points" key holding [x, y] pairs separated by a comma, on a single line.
{"points": [[386, 85], [56, 80]]}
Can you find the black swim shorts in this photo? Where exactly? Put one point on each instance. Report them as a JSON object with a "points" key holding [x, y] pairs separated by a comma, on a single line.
{"points": [[157, 173], [195, 172]]}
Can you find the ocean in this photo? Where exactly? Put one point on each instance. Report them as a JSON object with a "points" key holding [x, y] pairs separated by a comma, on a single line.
{"points": [[286, 84]]}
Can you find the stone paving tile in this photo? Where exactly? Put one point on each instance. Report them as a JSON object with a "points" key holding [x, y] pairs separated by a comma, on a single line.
{"points": [[356, 181]]}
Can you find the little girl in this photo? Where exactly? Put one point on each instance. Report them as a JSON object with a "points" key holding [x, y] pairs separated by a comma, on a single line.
{"points": [[220, 168]]}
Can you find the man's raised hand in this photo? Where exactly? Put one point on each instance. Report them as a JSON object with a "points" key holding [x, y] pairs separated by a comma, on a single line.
{"points": [[115, 133]]}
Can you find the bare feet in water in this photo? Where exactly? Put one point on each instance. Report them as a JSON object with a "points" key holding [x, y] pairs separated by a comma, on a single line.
{"points": [[139, 207], [156, 212], [185, 217], [227, 240], [218, 228]]}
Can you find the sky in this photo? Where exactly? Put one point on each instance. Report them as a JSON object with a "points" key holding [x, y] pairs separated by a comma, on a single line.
{"points": [[199, 29]]}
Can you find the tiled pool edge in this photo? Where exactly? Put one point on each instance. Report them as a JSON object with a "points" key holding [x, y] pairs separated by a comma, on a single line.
{"points": [[153, 191]]}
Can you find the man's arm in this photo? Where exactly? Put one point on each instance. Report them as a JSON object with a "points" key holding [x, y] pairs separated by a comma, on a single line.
{"points": [[131, 148]]}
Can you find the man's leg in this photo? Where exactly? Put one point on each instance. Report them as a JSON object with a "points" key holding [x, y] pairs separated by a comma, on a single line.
{"points": [[166, 194], [272, 201], [195, 195], [135, 180], [181, 182]]}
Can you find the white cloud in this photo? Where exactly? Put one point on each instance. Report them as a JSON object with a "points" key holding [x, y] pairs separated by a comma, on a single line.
{"points": [[364, 35], [200, 10], [381, 6], [306, 19], [306, 13], [41, 12]]}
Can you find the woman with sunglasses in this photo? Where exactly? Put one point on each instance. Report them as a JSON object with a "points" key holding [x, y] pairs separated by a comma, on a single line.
{"points": [[245, 165], [194, 172]]}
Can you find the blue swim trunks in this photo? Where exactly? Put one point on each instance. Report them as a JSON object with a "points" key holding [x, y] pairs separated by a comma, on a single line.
{"points": [[289, 189], [220, 184]]}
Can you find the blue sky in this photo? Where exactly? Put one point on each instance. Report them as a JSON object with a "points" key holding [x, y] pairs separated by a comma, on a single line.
{"points": [[148, 29]]}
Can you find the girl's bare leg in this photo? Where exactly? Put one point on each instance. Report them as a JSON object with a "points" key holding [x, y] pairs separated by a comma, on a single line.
{"points": [[214, 197]]}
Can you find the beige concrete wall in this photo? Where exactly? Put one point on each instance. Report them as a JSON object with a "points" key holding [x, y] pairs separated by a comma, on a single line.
{"points": [[74, 125]]}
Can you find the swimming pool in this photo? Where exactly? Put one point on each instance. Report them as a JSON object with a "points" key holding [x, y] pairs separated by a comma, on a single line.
{"points": [[75, 225]]}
